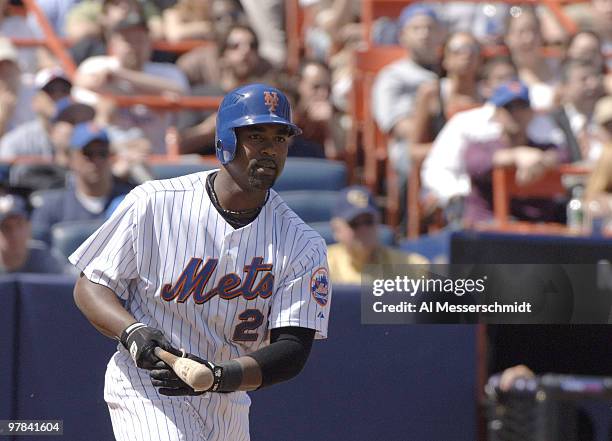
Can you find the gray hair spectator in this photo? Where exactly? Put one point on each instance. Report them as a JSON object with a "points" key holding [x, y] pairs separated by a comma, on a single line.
{"points": [[396, 85], [18, 252], [128, 71]]}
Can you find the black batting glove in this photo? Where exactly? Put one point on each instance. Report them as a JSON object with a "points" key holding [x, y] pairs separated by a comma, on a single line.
{"points": [[140, 340], [169, 384]]}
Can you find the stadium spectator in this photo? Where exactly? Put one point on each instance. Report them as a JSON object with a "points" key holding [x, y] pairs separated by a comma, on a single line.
{"points": [[189, 20], [56, 12], [315, 114], [266, 18], [524, 39], [90, 21], [238, 63], [355, 224], [603, 118], [15, 96], [582, 86], [586, 46], [52, 106], [495, 71], [128, 71], [396, 85], [16, 26], [93, 186], [504, 131], [598, 193], [458, 90], [18, 252]]}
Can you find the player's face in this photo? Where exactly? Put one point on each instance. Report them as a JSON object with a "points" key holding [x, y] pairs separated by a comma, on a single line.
{"points": [[260, 156]]}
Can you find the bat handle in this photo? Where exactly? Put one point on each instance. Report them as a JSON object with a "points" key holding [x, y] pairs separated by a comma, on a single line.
{"points": [[165, 356]]}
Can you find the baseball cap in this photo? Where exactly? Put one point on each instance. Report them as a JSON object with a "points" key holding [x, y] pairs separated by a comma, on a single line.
{"points": [[7, 50], [354, 201], [86, 133], [68, 110], [12, 205], [603, 110], [45, 76], [409, 12], [508, 92]]}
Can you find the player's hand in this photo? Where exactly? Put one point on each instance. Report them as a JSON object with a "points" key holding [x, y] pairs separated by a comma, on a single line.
{"points": [[163, 377], [140, 340]]}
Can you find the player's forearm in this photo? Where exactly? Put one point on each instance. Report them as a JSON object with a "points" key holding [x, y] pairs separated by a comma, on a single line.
{"points": [[101, 307]]}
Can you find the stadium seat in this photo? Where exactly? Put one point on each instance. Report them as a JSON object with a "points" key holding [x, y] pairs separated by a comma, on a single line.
{"points": [[385, 233], [311, 206], [167, 170], [37, 197], [312, 174], [436, 247], [67, 236]]}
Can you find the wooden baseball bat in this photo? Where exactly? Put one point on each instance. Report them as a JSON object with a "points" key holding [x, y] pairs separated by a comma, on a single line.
{"points": [[196, 375]]}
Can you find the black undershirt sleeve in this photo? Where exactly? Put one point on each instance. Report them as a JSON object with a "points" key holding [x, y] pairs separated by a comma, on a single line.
{"points": [[286, 355]]}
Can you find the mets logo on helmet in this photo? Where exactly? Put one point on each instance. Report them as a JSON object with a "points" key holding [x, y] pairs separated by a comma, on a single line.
{"points": [[319, 286], [271, 100]]}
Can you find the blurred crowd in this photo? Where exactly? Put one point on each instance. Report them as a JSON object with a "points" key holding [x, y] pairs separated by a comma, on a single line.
{"points": [[479, 85]]}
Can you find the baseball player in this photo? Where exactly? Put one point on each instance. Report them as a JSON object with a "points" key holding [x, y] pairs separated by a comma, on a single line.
{"points": [[213, 266]]}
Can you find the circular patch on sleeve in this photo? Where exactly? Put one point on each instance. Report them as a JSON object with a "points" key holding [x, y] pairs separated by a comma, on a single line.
{"points": [[319, 286]]}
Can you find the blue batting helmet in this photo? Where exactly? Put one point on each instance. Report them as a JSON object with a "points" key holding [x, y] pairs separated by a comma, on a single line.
{"points": [[246, 106]]}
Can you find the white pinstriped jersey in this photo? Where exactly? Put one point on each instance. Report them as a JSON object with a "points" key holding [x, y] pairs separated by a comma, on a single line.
{"points": [[213, 290]]}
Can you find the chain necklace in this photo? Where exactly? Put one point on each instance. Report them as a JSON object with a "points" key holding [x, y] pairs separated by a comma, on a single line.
{"points": [[249, 213]]}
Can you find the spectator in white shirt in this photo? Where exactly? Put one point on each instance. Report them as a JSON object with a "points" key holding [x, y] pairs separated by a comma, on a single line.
{"points": [[501, 124], [128, 71]]}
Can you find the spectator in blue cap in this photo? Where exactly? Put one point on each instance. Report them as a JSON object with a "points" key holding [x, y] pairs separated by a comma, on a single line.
{"points": [[502, 132], [396, 85], [92, 187], [355, 224], [18, 252]]}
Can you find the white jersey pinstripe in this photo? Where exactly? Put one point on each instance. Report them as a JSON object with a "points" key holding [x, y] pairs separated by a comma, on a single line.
{"points": [[163, 251]]}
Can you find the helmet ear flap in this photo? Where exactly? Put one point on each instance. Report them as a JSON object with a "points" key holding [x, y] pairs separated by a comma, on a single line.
{"points": [[225, 147]]}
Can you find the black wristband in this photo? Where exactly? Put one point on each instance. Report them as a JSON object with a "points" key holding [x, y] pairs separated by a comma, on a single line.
{"points": [[231, 376]]}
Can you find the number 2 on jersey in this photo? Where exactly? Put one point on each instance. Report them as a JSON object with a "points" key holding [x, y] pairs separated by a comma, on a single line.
{"points": [[251, 320]]}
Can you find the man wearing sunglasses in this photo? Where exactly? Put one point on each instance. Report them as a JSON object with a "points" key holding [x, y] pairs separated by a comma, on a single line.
{"points": [[355, 224], [92, 186]]}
